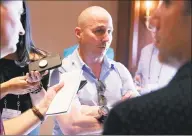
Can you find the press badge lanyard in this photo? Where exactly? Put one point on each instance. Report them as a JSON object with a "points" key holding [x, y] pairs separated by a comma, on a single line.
{"points": [[18, 101], [149, 74]]}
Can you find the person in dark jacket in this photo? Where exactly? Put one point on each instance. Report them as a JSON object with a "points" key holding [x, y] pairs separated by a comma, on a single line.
{"points": [[167, 110]]}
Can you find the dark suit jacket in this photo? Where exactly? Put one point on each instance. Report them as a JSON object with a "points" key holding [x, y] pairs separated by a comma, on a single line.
{"points": [[166, 111]]}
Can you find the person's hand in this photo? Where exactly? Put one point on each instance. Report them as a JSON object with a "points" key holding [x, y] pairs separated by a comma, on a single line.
{"points": [[23, 84], [49, 96], [19, 85], [129, 95], [90, 110], [137, 79], [35, 76], [139, 88]]}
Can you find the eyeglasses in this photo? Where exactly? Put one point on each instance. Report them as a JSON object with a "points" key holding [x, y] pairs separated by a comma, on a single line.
{"points": [[101, 87]]}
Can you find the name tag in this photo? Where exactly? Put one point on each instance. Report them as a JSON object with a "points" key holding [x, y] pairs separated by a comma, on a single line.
{"points": [[9, 113]]}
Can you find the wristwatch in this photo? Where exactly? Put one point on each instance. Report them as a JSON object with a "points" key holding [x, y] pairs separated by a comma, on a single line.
{"points": [[103, 112]]}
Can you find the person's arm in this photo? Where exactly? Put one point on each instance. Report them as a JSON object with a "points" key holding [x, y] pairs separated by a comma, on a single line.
{"points": [[17, 85], [138, 74], [128, 88], [78, 125], [140, 64], [25, 122], [90, 111], [4, 90], [78, 122], [22, 84]]}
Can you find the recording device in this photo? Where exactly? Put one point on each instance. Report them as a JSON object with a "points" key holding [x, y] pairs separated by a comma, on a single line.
{"points": [[47, 63]]}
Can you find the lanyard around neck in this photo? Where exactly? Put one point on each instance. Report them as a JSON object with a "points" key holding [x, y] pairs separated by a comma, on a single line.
{"points": [[149, 74]]}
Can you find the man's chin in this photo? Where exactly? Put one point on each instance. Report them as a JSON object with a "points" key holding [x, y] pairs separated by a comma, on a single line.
{"points": [[101, 53], [166, 60], [162, 58]]}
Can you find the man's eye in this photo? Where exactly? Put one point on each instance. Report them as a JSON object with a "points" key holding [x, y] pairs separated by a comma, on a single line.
{"points": [[109, 31], [100, 31]]}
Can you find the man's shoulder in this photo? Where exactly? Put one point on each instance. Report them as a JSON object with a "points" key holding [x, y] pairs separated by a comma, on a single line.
{"points": [[147, 48], [116, 63], [68, 62], [121, 69], [67, 59]]}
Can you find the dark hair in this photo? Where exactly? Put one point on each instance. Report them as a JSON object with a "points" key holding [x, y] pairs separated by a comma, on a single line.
{"points": [[25, 46]]}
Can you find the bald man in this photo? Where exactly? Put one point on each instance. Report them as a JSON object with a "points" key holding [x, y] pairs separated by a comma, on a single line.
{"points": [[108, 82]]}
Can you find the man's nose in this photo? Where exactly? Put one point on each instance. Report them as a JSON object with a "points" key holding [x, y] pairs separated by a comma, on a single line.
{"points": [[154, 20], [106, 37]]}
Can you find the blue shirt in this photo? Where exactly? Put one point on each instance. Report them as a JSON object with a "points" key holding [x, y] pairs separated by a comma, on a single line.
{"points": [[116, 77]]}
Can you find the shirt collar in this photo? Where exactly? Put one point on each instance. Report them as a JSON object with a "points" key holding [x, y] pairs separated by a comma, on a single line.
{"points": [[155, 50], [107, 63]]}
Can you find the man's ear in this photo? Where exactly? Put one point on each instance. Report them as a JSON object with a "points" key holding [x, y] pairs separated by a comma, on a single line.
{"points": [[78, 32]]}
